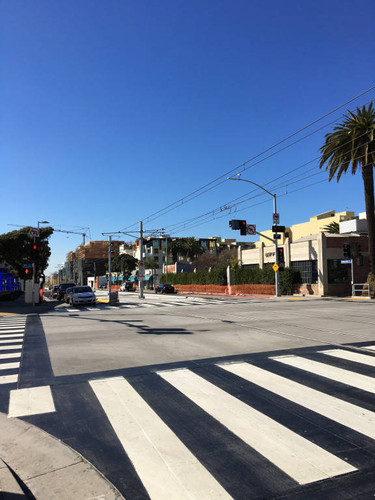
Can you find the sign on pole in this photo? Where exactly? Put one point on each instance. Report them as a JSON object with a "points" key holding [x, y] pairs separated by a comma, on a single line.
{"points": [[34, 232], [141, 269], [251, 229], [275, 267]]}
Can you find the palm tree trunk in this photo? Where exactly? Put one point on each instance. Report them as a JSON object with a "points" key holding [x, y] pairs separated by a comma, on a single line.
{"points": [[368, 182]]}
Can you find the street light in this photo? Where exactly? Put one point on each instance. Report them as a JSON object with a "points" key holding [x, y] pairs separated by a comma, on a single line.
{"points": [[238, 178]]}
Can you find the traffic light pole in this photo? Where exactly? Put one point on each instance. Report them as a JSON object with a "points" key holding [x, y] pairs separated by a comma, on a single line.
{"points": [[238, 178]]}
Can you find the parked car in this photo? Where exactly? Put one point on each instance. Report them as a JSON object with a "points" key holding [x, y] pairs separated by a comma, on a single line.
{"points": [[62, 290], [164, 288], [82, 295], [55, 291], [127, 286]]}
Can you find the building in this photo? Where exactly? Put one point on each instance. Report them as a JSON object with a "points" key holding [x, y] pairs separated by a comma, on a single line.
{"points": [[317, 254], [155, 249], [90, 259]]}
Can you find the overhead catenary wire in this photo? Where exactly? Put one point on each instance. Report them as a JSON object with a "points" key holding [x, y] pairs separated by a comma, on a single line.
{"points": [[214, 183]]}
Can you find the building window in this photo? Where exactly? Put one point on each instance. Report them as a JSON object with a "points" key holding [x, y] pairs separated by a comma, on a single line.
{"points": [[307, 270], [337, 272]]}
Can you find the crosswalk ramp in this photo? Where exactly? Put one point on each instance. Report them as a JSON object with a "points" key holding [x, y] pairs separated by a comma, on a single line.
{"points": [[12, 331], [251, 428]]}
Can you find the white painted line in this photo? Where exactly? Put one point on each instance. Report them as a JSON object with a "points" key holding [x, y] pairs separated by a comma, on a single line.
{"points": [[301, 459], [11, 330], [352, 416], [347, 377], [357, 357], [8, 379], [10, 355], [12, 336], [72, 310], [9, 366], [164, 464], [371, 347], [31, 401], [10, 340], [10, 347]]}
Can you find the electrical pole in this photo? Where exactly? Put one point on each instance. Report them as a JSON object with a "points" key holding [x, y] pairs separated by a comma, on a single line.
{"points": [[141, 263], [109, 266]]}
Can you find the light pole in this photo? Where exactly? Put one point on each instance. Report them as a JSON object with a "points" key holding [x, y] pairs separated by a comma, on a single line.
{"points": [[42, 222], [238, 178]]}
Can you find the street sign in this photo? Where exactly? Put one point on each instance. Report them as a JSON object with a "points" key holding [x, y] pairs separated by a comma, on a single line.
{"points": [[275, 267], [278, 229], [34, 232], [276, 236], [276, 218], [251, 229], [141, 270], [27, 265], [346, 261]]}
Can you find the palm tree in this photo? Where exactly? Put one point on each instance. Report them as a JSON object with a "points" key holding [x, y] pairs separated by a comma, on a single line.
{"points": [[352, 143], [332, 228], [192, 248]]}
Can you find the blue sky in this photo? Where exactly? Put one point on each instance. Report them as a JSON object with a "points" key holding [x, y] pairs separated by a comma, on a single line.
{"points": [[111, 111]]}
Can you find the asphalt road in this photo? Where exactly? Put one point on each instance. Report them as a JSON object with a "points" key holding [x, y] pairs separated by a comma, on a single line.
{"points": [[189, 397]]}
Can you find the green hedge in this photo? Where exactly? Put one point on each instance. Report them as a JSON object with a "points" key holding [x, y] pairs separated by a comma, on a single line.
{"points": [[217, 276]]}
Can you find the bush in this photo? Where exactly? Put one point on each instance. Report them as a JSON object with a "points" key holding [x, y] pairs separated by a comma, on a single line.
{"points": [[216, 276]]}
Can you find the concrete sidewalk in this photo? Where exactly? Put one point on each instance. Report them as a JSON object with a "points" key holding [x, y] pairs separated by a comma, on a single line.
{"points": [[45, 467]]}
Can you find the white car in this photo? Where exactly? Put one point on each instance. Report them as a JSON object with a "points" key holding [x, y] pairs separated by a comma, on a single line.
{"points": [[82, 295]]}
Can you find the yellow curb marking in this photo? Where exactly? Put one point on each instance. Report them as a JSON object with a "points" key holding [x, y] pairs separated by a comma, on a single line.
{"points": [[9, 314]]}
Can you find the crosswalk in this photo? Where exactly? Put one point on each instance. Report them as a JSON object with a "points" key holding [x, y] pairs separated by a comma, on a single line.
{"points": [[156, 305], [254, 427], [12, 330]]}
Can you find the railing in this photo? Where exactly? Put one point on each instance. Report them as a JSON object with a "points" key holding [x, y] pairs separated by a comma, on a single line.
{"points": [[360, 287]]}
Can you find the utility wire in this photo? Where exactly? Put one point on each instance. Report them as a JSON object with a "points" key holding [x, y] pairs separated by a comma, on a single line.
{"points": [[190, 196]]}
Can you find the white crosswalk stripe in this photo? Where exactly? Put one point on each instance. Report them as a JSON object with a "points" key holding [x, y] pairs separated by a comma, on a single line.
{"points": [[162, 461], [11, 341], [350, 415], [350, 356], [296, 456]]}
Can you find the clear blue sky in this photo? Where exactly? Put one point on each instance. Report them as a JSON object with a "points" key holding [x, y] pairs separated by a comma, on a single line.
{"points": [[110, 111]]}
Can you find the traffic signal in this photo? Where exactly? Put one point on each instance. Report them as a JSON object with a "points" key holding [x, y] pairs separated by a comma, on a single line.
{"points": [[237, 224], [243, 227], [35, 251], [347, 251], [26, 273], [280, 256]]}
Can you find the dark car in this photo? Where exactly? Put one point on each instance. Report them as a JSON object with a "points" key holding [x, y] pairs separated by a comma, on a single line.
{"points": [[62, 290], [164, 288], [55, 291]]}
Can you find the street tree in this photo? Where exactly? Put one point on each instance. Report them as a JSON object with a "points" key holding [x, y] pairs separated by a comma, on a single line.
{"points": [[124, 264], [352, 144], [16, 249]]}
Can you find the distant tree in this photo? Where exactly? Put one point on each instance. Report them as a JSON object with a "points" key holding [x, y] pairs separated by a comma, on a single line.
{"points": [[176, 247], [152, 263], [192, 248], [124, 264], [16, 249], [352, 143], [206, 261], [333, 228]]}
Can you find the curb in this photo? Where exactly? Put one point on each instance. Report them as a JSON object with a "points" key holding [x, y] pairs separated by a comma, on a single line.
{"points": [[48, 468]]}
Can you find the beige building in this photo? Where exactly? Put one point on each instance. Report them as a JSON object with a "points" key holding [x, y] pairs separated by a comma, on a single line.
{"points": [[316, 254]]}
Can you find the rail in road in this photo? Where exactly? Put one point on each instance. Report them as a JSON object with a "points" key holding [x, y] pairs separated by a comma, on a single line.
{"points": [[297, 423]]}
